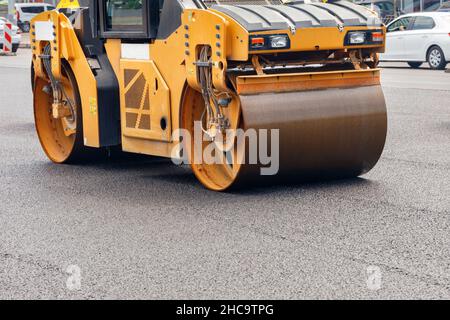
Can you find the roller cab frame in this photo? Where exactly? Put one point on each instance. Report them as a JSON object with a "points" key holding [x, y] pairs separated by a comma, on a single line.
{"points": [[133, 73]]}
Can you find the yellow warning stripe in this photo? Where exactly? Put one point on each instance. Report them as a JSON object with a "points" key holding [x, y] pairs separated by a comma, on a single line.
{"points": [[68, 4]]}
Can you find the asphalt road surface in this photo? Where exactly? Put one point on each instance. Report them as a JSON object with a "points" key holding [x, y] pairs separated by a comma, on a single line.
{"points": [[148, 229]]}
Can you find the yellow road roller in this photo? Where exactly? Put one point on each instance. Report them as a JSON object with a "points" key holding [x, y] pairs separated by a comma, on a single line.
{"points": [[142, 76]]}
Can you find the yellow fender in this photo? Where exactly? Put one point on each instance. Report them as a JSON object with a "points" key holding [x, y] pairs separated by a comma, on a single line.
{"points": [[66, 46]]}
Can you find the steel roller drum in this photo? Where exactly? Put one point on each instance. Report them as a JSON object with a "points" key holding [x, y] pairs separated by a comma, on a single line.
{"points": [[325, 133]]}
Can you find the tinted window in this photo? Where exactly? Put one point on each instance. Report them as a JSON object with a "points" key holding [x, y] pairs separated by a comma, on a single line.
{"points": [[389, 6], [375, 7], [432, 7], [50, 8], [423, 23], [399, 25], [124, 15], [33, 9], [445, 7]]}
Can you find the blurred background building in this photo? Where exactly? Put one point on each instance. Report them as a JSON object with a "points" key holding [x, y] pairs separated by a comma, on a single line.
{"points": [[387, 9], [7, 6]]}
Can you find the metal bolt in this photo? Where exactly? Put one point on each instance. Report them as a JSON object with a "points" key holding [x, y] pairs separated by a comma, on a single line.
{"points": [[186, 44], [218, 36], [218, 44], [217, 27], [186, 27], [186, 36], [187, 52], [218, 53]]}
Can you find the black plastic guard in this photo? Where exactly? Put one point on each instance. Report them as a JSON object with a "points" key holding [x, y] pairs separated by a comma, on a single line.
{"points": [[108, 97]]}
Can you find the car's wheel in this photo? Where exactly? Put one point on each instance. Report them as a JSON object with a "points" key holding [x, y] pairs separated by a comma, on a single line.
{"points": [[414, 64], [436, 59], [25, 27]]}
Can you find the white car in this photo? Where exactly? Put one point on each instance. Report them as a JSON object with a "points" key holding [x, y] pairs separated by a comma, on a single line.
{"points": [[419, 37], [27, 11], [16, 36]]}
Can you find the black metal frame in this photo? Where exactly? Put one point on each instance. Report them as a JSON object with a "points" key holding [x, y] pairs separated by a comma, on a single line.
{"points": [[108, 97], [170, 15]]}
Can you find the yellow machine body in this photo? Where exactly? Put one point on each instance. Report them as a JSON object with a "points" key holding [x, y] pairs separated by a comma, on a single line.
{"points": [[156, 87]]}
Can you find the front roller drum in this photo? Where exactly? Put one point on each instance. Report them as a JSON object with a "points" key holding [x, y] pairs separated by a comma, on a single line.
{"points": [[331, 133], [323, 134]]}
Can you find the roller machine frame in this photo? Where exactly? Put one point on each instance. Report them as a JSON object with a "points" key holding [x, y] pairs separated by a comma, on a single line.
{"points": [[130, 74]]}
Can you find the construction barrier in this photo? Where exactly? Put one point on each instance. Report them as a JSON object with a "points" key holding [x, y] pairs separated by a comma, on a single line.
{"points": [[7, 38]]}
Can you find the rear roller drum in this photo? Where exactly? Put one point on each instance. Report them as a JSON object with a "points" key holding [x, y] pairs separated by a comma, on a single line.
{"points": [[62, 137]]}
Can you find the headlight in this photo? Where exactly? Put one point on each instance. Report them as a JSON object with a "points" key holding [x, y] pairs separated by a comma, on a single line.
{"points": [[269, 42], [279, 42], [364, 37], [356, 37]]}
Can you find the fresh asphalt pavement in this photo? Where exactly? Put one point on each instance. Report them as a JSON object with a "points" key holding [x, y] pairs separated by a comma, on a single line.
{"points": [[148, 229]]}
